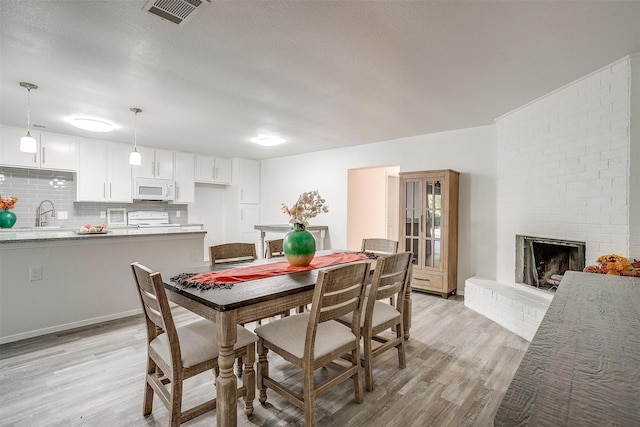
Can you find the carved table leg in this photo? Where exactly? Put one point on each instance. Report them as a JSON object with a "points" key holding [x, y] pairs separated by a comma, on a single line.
{"points": [[263, 371], [226, 383], [249, 380]]}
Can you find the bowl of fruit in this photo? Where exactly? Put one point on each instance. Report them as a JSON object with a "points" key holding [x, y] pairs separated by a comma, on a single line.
{"points": [[93, 229]]}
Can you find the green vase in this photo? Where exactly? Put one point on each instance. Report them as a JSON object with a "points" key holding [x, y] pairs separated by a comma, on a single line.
{"points": [[7, 219], [299, 246]]}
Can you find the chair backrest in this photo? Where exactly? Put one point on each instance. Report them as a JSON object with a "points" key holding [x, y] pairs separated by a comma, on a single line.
{"points": [[380, 246], [339, 290], [390, 279], [273, 248], [232, 252], [155, 305]]}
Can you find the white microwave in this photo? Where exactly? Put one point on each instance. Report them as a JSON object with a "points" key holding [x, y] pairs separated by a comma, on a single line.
{"points": [[154, 189]]}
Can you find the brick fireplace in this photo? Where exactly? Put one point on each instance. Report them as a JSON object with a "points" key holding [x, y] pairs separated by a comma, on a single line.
{"points": [[568, 166], [541, 262]]}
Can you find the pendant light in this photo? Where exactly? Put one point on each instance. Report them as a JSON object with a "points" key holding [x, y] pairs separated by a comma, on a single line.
{"points": [[28, 144], [134, 158]]}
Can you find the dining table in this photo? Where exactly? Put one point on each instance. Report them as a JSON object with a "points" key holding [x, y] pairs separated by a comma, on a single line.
{"points": [[242, 303]]}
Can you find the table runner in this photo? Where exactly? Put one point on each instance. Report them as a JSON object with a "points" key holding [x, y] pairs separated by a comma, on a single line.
{"points": [[225, 279]]}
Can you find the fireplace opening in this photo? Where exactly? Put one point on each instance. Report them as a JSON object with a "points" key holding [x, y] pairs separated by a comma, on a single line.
{"points": [[541, 262]]}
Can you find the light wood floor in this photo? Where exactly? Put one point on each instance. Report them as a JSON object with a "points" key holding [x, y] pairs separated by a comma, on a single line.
{"points": [[459, 365]]}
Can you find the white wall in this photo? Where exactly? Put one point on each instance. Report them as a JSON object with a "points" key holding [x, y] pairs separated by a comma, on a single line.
{"points": [[563, 165], [472, 152]]}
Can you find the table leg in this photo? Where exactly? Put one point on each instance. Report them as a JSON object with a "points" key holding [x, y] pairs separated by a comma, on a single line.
{"points": [[261, 235], [226, 383]]}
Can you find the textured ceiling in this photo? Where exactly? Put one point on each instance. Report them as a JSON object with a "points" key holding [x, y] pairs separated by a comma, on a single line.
{"points": [[320, 74]]}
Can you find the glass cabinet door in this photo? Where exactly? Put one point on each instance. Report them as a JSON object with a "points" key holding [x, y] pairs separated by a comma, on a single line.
{"points": [[432, 249], [412, 211]]}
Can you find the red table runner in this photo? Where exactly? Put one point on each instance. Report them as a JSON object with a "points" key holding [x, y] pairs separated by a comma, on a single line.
{"points": [[226, 278]]}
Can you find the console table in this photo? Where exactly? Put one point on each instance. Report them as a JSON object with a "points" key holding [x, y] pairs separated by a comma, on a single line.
{"points": [[583, 365], [318, 231]]}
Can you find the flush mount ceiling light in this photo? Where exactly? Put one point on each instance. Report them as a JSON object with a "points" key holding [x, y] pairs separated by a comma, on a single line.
{"points": [[268, 141], [28, 144], [134, 158], [92, 125]]}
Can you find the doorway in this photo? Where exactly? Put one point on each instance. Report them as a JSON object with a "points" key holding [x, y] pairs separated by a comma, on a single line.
{"points": [[372, 204]]}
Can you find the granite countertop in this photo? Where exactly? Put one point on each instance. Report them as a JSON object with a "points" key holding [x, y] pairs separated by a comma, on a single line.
{"points": [[32, 235]]}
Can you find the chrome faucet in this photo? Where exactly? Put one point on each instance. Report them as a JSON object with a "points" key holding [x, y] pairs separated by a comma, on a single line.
{"points": [[40, 213]]}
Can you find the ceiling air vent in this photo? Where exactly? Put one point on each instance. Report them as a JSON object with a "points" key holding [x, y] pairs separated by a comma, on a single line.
{"points": [[176, 11]]}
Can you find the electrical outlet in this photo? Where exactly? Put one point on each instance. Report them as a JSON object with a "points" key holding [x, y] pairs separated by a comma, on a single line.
{"points": [[177, 214], [35, 273], [103, 214], [63, 215]]}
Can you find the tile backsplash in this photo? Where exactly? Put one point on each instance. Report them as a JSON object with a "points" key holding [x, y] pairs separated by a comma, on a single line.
{"points": [[32, 186]]}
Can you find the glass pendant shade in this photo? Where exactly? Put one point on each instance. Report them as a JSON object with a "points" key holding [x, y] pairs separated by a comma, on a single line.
{"points": [[28, 144], [135, 159]]}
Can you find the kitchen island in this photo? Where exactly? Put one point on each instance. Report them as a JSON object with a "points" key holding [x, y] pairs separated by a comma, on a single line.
{"points": [[54, 280]]}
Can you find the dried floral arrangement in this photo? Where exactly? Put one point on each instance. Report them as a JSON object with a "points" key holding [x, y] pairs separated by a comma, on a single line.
{"points": [[7, 202], [308, 206], [615, 265]]}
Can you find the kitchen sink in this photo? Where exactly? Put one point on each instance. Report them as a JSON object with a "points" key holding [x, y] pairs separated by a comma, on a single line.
{"points": [[44, 228]]}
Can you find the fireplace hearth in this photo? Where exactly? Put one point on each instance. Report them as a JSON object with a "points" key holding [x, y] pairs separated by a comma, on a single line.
{"points": [[541, 261]]}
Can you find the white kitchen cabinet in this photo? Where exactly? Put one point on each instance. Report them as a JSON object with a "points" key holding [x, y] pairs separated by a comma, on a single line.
{"points": [[156, 163], [249, 177], [104, 173], [243, 201], [185, 177], [55, 152], [249, 217], [213, 170]]}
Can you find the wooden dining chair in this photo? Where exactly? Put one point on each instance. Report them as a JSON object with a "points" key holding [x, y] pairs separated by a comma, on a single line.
{"points": [[379, 246], [175, 353], [314, 339], [390, 279], [273, 248], [232, 252]]}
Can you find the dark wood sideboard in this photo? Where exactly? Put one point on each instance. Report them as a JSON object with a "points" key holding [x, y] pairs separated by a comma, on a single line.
{"points": [[582, 367]]}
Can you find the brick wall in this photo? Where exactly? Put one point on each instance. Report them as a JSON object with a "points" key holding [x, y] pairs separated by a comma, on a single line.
{"points": [[634, 178], [32, 186], [564, 167]]}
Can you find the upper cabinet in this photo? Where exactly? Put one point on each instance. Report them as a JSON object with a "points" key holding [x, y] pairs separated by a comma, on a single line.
{"points": [[55, 152], [213, 170], [185, 177], [104, 173], [156, 163]]}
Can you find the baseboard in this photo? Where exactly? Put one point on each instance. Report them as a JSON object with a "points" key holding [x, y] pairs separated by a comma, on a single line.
{"points": [[67, 326]]}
